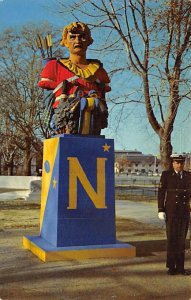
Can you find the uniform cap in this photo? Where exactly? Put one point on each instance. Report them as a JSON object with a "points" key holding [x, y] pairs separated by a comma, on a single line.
{"points": [[178, 157]]}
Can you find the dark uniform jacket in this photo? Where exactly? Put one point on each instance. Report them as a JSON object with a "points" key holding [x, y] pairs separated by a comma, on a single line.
{"points": [[174, 194]]}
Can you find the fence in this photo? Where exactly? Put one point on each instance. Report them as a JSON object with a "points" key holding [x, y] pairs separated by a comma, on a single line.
{"points": [[141, 186]]}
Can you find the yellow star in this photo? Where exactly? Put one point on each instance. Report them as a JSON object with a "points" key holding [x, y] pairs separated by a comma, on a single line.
{"points": [[106, 148], [54, 183]]}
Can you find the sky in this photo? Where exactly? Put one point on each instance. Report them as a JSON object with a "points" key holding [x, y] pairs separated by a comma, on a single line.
{"points": [[14, 13], [133, 132]]}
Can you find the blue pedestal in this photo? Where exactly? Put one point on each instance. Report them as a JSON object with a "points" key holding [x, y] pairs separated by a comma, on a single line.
{"points": [[78, 196]]}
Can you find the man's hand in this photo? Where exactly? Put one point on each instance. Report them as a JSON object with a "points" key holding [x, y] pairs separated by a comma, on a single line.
{"points": [[162, 215]]}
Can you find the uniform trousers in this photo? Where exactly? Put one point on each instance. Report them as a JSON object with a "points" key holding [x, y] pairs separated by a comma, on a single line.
{"points": [[176, 231]]}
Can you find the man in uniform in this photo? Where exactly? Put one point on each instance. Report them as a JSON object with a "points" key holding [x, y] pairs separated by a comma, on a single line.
{"points": [[174, 207]]}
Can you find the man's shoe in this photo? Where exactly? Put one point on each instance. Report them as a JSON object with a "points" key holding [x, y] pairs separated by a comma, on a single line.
{"points": [[184, 272], [172, 272]]}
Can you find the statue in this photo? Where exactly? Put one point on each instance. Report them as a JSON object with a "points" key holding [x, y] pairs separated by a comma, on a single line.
{"points": [[78, 85], [77, 217]]}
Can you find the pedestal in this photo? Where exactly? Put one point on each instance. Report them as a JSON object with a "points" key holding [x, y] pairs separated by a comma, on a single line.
{"points": [[77, 218]]}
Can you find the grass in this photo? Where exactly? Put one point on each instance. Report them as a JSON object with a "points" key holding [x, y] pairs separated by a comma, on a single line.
{"points": [[17, 214]]}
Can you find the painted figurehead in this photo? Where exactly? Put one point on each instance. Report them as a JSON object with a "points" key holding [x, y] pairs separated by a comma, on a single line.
{"points": [[79, 85], [76, 37]]}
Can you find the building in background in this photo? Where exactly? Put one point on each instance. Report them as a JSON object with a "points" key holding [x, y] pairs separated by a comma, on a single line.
{"points": [[135, 162], [188, 161]]}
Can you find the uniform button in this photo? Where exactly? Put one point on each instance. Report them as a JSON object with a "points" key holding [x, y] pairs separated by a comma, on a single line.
{"points": [[176, 202], [184, 196], [176, 196]]}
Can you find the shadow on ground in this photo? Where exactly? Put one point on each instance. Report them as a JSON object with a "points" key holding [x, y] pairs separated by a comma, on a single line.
{"points": [[148, 248]]}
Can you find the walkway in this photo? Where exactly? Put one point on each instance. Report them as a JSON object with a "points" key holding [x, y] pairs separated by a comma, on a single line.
{"points": [[139, 211]]}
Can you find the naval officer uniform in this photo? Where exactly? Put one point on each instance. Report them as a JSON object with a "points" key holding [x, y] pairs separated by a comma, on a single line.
{"points": [[174, 207]]}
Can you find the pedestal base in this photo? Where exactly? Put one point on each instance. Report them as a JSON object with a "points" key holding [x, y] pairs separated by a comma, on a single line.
{"points": [[47, 252]]}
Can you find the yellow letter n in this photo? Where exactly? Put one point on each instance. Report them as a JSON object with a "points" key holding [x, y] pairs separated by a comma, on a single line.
{"points": [[77, 173]]}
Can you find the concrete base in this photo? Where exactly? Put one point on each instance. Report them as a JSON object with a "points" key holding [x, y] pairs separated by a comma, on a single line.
{"points": [[47, 252]]}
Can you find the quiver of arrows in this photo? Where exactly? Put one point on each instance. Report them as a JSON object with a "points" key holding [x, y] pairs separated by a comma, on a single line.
{"points": [[44, 45]]}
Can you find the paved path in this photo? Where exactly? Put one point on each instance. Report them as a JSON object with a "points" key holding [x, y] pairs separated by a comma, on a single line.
{"points": [[23, 276], [139, 211]]}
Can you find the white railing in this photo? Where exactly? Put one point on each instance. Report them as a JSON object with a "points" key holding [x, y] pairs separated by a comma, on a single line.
{"points": [[15, 187]]}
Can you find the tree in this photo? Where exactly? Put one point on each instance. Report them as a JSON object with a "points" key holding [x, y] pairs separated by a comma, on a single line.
{"points": [[122, 163], [21, 100], [8, 151], [155, 37]]}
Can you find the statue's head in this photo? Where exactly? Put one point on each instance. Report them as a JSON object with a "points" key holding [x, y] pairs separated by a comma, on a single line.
{"points": [[74, 31]]}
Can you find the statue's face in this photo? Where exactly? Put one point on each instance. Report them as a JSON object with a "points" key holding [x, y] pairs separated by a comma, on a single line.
{"points": [[77, 42]]}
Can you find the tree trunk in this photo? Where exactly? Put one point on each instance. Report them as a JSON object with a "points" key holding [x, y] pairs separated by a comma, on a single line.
{"points": [[9, 171], [27, 162], [165, 151]]}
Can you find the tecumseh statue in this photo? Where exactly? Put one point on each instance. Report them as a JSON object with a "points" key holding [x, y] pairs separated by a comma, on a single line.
{"points": [[78, 86]]}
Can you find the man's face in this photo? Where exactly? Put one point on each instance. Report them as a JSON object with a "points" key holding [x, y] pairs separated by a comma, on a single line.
{"points": [[77, 43], [178, 165]]}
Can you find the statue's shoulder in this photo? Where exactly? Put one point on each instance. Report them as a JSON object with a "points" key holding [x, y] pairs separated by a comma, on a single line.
{"points": [[49, 62], [97, 61]]}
